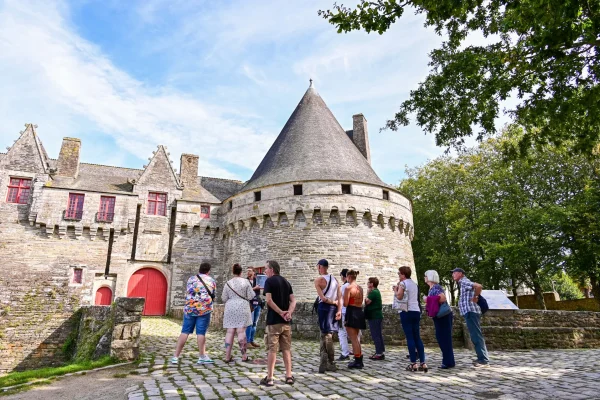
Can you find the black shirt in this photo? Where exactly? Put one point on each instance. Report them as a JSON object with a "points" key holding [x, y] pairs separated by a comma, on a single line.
{"points": [[253, 284], [280, 290]]}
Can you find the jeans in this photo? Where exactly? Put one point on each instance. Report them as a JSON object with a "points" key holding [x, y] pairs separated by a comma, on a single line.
{"points": [[199, 322], [251, 330], [375, 326], [410, 325], [343, 336], [474, 325], [443, 334]]}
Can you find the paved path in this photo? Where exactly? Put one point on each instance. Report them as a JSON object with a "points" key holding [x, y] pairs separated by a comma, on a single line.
{"points": [[572, 374]]}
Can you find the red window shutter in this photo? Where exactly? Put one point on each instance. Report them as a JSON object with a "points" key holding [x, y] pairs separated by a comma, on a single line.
{"points": [[204, 211], [75, 206], [107, 209]]}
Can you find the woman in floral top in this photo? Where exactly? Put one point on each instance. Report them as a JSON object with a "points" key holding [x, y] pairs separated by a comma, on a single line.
{"points": [[443, 325], [198, 307]]}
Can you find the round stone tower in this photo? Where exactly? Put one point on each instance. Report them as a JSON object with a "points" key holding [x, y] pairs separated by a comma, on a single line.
{"points": [[315, 195]]}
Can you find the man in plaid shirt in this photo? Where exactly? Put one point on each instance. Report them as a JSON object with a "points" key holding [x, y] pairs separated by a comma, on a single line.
{"points": [[469, 309]]}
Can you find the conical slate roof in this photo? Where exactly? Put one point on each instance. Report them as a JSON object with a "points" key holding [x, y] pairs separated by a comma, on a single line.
{"points": [[312, 146]]}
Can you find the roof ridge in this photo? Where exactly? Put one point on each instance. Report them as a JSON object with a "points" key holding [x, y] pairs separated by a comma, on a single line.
{"points": [[221, 179]]}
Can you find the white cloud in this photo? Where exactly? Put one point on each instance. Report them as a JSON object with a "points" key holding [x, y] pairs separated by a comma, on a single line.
{"points": [[47, 68]]}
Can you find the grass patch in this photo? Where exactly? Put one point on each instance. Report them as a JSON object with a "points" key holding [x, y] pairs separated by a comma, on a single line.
{"points": [[16, 378]]}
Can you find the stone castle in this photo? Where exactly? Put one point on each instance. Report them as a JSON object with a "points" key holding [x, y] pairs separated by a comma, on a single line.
{"points": [[73, 233]]}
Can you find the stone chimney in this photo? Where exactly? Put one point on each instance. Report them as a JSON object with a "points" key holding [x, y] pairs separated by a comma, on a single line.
{"points": [[360, 135], [189, 170], [68, 159]]}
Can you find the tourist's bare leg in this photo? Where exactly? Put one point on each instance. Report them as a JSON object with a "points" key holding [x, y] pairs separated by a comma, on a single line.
{"points": [[180, 343], [201, 344], [243, 342], [287, 361], [271, 359], [229, 342]]}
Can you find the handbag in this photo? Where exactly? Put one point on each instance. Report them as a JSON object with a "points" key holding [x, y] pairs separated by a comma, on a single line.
{"points": [[318, 299], [401, 305], [444, 310]]}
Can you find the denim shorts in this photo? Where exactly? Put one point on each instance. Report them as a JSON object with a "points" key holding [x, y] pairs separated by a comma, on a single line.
{"points": [[200, 322]]}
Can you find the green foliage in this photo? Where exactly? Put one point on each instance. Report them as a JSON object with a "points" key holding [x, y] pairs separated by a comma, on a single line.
{"points": [[564, 285], [544, 54], [16, 378], [502, 219]]}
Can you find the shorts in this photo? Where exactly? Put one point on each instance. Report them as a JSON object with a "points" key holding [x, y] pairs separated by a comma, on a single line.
{"points": [[200, 322], [279, 334]]}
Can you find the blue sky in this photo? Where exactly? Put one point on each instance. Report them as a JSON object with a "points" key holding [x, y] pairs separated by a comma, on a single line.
{"points": [[217, 79]]}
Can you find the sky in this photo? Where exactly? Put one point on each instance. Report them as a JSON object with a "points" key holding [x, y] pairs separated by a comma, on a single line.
{"points": [[213, 78]]}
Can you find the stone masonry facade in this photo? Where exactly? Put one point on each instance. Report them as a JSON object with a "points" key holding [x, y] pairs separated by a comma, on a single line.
{"points": [[69, 229]]}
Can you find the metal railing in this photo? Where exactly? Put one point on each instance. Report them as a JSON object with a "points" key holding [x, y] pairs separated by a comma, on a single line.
{"points": [[105, 217], [73, 215]]}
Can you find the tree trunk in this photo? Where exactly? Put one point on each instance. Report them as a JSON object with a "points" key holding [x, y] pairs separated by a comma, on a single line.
{"points": [[514, 290], [595, 287], [539, 293]]}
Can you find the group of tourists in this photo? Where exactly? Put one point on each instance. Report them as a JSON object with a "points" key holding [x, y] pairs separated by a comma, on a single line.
{"points": [[342, 307]]}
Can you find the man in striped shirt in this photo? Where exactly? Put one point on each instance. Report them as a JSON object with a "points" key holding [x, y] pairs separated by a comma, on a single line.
{"points": [[469, 309]]}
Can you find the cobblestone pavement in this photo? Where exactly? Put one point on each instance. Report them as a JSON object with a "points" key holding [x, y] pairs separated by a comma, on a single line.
{"points": [[541, 374]]}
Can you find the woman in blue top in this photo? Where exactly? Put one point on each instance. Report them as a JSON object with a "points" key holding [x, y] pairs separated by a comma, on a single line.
{"points": [[407, 292], [443, 325]]}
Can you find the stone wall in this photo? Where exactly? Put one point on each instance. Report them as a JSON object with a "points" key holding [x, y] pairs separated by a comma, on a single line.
{"points": [[503, 329], [553, 302]]}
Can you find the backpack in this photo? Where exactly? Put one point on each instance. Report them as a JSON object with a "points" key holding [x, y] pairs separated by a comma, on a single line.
{"points": [[483, 304]]}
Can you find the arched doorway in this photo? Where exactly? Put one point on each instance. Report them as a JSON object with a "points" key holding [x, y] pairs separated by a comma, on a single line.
{"points": [[103, 296], [152, 285]]}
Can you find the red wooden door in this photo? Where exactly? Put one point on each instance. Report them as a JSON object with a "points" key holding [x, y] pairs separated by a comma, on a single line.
{"points": [[103, 296], [152, 285]]}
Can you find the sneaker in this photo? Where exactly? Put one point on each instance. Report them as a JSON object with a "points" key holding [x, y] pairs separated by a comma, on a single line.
{"points": [[204, 359], [175, 360], [343, 357], [253, 344]]}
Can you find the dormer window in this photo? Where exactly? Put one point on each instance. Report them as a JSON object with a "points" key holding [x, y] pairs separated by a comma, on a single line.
{"points": [[204, 211], [346, 188], [297, 190], [257, 196], [18, 190], [157, 204], [386, 194]]}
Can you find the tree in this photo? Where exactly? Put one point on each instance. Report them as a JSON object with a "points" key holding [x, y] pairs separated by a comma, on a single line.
{"points": [[544, 53]]}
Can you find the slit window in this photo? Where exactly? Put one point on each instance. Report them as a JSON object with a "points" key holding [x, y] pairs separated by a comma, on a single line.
{"points": [[346, 189], [386, 194], [204, 211], [230, 204], [18, 190], [157, 203], [297, 190], [257, 196]]}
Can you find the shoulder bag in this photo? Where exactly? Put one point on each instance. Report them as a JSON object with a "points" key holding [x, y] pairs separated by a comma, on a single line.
{"points": [[211, 294], [318, 299], [401, 305], [241, 297], [444, 310]]}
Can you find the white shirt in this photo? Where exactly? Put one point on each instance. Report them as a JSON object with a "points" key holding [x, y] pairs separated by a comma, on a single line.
{"points": [[344, 286], [332, 292], [412, 291]]}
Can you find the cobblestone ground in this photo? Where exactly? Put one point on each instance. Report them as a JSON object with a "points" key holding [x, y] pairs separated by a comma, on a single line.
{"points": [[564, 374]]}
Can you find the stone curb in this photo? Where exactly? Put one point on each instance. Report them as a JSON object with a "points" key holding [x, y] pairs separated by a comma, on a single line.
{"points": [[6, 389]]}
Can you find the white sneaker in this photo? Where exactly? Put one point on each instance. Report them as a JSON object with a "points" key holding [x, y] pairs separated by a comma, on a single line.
{"points": [[204, 359], [175, 360]]}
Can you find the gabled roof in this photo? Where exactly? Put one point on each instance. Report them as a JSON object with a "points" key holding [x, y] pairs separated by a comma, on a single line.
{"points": [[27, 153], [161, 164], [98, 178], [312, 146]]}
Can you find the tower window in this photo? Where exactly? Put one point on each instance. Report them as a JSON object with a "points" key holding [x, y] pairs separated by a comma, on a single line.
{"points": [[346, 189], [257, 196], [18, 190], [297, 190], [204, 211], [386, 194]]}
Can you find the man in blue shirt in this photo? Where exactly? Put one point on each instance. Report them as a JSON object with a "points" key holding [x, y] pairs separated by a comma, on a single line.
{"points": [[469, 309]]}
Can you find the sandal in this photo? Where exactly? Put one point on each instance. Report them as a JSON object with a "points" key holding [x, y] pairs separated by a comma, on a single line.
{"points": [[290, 380], [412, 367], [228, 360], [266, 381], [423, 367], [248, 360]]}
